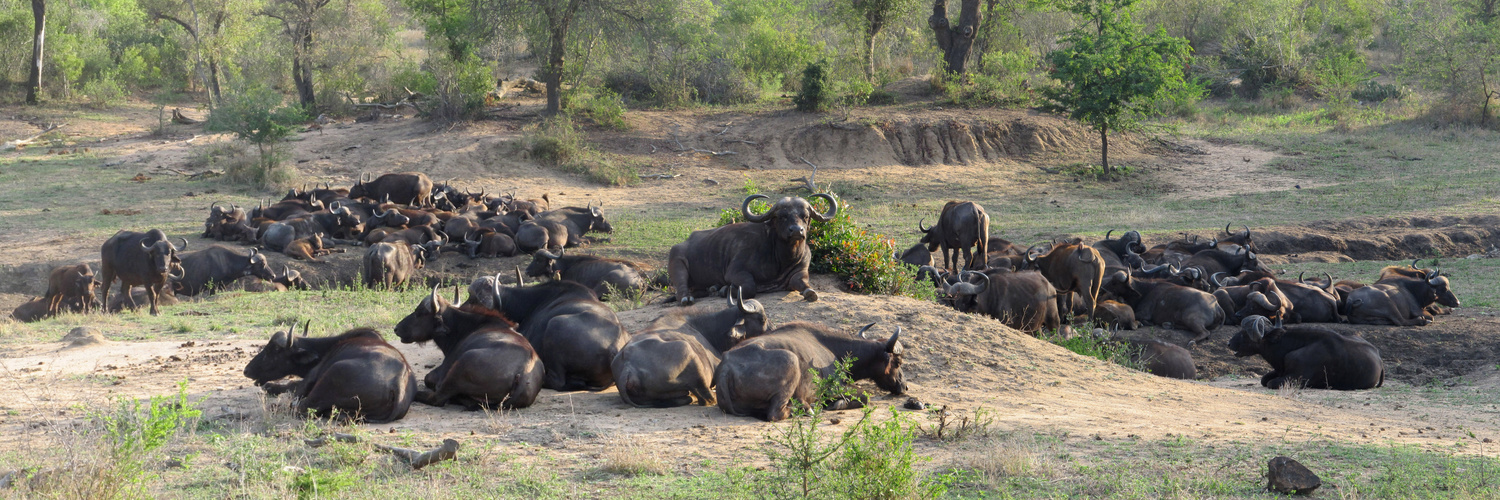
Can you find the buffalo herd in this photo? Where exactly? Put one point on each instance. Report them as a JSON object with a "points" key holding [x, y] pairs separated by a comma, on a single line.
{"points": [[502, 344]]}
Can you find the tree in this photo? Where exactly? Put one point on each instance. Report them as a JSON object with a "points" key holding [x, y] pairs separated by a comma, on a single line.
{"points": [[298, 19], [257, 116], [1113, 72], [871, 17], [955, 41], [204, 22], [1452, 48], [39, 33]]}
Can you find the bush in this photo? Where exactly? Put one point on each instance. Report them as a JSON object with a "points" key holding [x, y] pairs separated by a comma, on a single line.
{"points": [[258, 117], [1086, 344], [1373, 91], [459, 88], [131, 432], [104, 93], [557, 142], [599, 105], [881, 97], [1003, 79], [631, 85], [814, 96], [720, 82], [863, 260]]}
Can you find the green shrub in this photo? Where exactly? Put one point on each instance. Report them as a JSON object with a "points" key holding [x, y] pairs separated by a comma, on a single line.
{"points": [[131, 432], [258, 117], [1003, 79], [459, 87], [1086, 344], [881, 97], [862, 259], [104, 92], [315, 483], [1373, 91], [814, 95], [558, 143], [599, 105]]}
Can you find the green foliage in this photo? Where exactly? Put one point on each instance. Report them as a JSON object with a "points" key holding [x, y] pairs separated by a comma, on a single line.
{"points": [[557, 142], [1373, 91], [814, 95], [132, 432], [316, 483], [1086, 344], [1002, 79], [103, 93], [1112, 72], [459, 87], [1449, 49], [599, 105], [258, 116]]}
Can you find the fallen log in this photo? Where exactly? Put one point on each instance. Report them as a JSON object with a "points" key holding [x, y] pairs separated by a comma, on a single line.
{"points": [[21, 143], [416, 459]]}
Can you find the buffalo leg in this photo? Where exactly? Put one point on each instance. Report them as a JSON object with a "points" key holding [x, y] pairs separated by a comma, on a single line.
{"points": [[968, 259], [1199, 334], [677, 273], [151, 292], [1065, 307]]}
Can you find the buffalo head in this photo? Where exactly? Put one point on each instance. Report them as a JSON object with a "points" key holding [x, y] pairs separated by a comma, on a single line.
{"points": [[163, 257], [1440, 292], [259, 267], [885, 367], [426, 322], [281, 357], [291, 279], [753, 320], [1254, 331], [597, 222], [789, 217]]}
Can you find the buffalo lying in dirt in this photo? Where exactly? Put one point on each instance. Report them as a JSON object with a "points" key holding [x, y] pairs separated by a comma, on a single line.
{"points": [[1168, 305], [674, 358], [768, 253], [576, 335], [485, 362], [1163, 359], [1258, 298], [356, 373], [1022, 300], [1400, 298], [602, 275], [1309, 356], [213, 268], [761, 376]]}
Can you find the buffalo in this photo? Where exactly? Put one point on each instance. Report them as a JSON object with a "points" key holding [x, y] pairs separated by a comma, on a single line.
{"points": [[485, 362], [674, 358], [593, 272], [767, 253], [140, 259], [32, 310], [1122, 253], [1258, 298], [309, 248], [1023, 300], [1163, 359], [70, 283], [960, 225], [577, 221], [1115, 315], [1400, 300], [356, 374], [213, 268], [412, 188], [388, 265], [488, 243], [137, 295], [1309, 356], [535, 235], [761, 376], [576, 335], [1214, 261], [1072, 268], [1168, 305]]}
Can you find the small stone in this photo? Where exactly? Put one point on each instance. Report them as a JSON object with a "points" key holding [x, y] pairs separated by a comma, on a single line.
{"points": [[914, 404], [1285, 475]]}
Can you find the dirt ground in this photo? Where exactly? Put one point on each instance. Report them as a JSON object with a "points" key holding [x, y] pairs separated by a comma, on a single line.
{"points": [[965, 362]]}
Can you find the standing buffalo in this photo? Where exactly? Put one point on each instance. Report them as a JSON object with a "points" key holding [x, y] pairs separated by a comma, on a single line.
{"points": [[70, 283], [1072, 268], [593, 272], [576, 335], [674, 358], [215, 267], [1168, 305], [960, 225], [485, 362], [412, 188], [1022, 300], [765, 254], [1309, 356], [139, 259], [388, 265], [761, 376], [355, 373]]}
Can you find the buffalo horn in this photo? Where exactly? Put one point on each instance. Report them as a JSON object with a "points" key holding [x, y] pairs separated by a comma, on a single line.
{"points": [[1247, 232], [1255, 327], [1433, 280], [919, 225], [1215, 279], [548, 254], [985, 277], [1414, 263], [285, 270], [436, 307], [730, 296], [1260, 299], [495, 288], [305, 326], [833, 208], [1107, 233], [475, 240], [215, 207], [893, 345], [1152, 269], [1299, 276], [184, 245], [1226, 229], [520, 281], [739, 296], [745, 208], [861, 333], [1328, 283]]}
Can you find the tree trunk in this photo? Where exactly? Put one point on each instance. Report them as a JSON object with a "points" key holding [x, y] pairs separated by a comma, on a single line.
{"points": [[1104, 141], [213, 81], [870, 52], [34, 80], [956, 41], [558, 24], [302, 67]]}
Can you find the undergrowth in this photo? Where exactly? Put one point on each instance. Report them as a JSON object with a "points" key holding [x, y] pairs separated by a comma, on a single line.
{"points": [[1102, 348], [557, 142]]}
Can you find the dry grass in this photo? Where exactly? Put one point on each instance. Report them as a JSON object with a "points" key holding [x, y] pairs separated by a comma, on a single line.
{"points": [[1291, 389], [624, 457], [1008, 458]]}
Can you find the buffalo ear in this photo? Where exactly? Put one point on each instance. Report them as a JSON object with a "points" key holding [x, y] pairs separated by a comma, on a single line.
{"points": [[304, 357]]}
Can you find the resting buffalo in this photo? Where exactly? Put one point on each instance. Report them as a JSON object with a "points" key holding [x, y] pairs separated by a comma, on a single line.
{"points": [[1115, 315], [765, 254], [593, 272], [213, 268], [1215, 261], [1163, 359], [355, 373], [70, 283], [1311, 302], [309, 248], [674, 358], [1400, 300], [535, 235], [412, 188], [221, 218], [31, 311], [488, 243], [1168, 305], [1241, 238], [1258, 298], [388, 265], [1072, 268], [761, 376], [1309, 356], [578, 221], [1025, 300], [140, 259], [960, 225], [485, 362], [1121, 254], [575, 334], [339, 221]]}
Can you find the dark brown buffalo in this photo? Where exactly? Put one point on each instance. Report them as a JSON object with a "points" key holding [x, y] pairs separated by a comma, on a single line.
{"points": [[138, 294], [485, 362], [1121, 254], [530, 207], [1175, 253], [1312, 302], [674, 358], [575, 334], [593, 272], [1023, 300], [578, 221], [1259, 298], [960, 226], [768, 253], [1412, 271], [146, 259], [1400, 300], [920, 257], [1168, 305], [1115, 315], [388, 217], [291, 279], [339, 221], [221, 218], [1241, 239], [1215, 261], [462, 226], [287, 209], [1072, 268], [1309, 356], [1163, 359], [277, 236], [255, 285], [213, 268], [67, 283], [356, 373], [412, 188], [761, 376], [416, 235], [535, 235], [487, 243], [32, 311], [389, 265]]}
